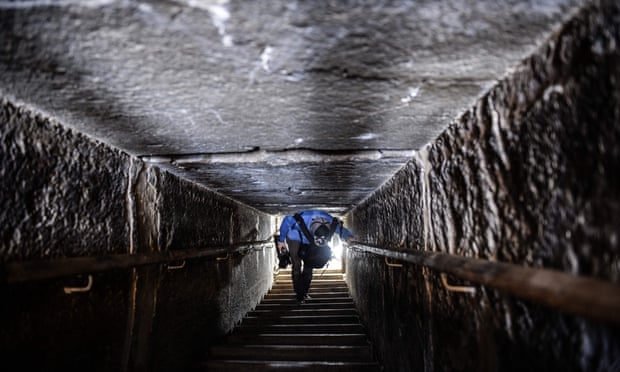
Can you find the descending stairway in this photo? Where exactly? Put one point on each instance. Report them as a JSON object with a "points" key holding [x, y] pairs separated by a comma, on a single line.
{"points": [[322, 334]]}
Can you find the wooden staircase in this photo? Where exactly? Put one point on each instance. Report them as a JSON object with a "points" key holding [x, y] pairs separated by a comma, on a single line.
{"points": [[324, 333]]}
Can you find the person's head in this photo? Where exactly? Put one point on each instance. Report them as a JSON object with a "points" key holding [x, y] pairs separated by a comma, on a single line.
{"points": [[321, 235]]}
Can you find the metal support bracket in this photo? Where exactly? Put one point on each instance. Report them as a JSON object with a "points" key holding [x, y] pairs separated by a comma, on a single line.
{"points": [[392, 264], [70, 290], [176, 267], [455, 288], [223, 258]]}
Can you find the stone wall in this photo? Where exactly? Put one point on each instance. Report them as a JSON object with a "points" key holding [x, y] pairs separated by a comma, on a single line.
{"points": [[64, 195], [529, 176]]}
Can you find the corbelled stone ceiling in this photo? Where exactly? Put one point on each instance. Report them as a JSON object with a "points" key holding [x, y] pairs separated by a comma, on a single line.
{"points": [[281, 105]]}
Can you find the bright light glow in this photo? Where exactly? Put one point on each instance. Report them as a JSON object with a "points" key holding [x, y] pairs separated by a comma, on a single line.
{"points": [[336, 247]]}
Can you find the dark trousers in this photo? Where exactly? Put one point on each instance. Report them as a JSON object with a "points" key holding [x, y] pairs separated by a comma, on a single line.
{"points": [[302, 273]]}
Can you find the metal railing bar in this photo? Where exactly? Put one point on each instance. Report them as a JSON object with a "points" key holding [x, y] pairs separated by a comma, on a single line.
{"points": [[25, 271], [589, 297]]}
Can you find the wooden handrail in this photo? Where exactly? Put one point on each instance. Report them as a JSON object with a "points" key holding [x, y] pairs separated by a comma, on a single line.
{"points": [[589, 297], [25, 271]]}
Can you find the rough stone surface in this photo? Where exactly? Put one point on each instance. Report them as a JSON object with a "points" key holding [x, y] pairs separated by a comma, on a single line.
{"points": [[191, 216], [527, 176], [63, 194], [181, 77], [206, 298], [66, 195], [203, 301], [399, 201]]}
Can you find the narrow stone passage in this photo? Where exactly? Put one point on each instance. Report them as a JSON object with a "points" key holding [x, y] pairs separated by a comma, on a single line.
{"points": [[324, 333]]}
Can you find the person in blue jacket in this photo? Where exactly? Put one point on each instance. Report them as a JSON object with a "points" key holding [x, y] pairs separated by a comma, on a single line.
{"points": [[307, 235]]}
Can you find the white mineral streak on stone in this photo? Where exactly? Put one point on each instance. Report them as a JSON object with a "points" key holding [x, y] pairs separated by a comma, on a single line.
{"points": [[217, 116], [422, 157], [496, 127], [552, 89], [20, 143], [490, 190], [597, 47], [16, 242], [449, 229], [572, 260], [298, 141], [146, 8], [265, 58], [403, 233], [294, 76], [130, 203], [411, 94], [219, 16], [366, 136], [154, 198], [508, 319]]}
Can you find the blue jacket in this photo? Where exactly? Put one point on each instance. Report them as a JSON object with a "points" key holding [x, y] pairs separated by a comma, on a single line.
{"points": [[285, 226], [291, 230]]}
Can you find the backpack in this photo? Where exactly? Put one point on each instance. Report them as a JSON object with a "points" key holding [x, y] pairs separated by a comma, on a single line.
{"points": [[312, 254]]}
